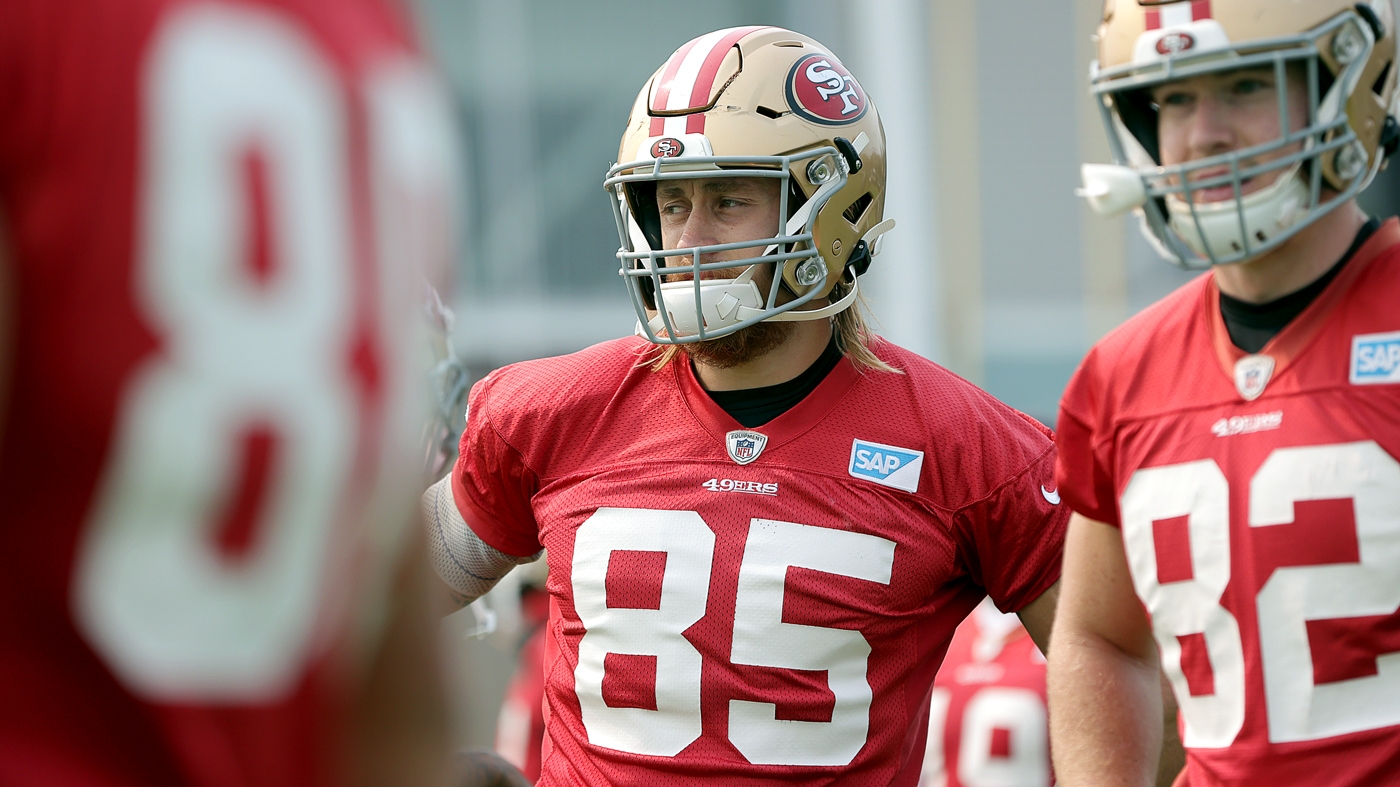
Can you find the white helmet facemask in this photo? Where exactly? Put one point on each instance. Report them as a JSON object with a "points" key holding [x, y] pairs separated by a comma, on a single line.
{"points": [[1197, 234]]}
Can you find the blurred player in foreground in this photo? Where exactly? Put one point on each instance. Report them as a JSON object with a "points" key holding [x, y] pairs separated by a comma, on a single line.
{"points": [[215, 218], [763, 523], [987, 720], [1232, 454]]}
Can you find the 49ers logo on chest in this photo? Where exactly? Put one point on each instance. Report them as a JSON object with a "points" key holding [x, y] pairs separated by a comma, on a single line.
{"points": [[821, 90]]}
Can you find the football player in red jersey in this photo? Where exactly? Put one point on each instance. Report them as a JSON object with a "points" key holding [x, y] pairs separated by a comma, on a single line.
{"points": [[987, 720], [1232, 454], [763, 523], [214, 222]]}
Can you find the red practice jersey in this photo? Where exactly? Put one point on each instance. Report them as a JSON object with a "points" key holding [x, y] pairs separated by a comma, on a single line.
{"points": [[216, 217], [758, 606], [987, 721], [1259, 501]]}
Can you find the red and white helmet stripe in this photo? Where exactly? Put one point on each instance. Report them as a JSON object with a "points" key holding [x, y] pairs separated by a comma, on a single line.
{"points": [[687, 79], [1174, 14]]}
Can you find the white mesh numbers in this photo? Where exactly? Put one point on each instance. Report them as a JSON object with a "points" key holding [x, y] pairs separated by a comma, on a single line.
{"points": [[151, 592], [760, 636], [762, 639], [1021, 713], [1298, 709], [244, 270], [1363, 472], [689, 547], [1199, 492]]}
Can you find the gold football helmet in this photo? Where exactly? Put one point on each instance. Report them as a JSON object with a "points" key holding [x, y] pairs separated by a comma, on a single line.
{"points": [[757, 102], [1347, 51]]}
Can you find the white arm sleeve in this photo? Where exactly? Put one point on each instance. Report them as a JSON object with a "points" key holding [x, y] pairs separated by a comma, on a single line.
{"points": [[467, 564]]}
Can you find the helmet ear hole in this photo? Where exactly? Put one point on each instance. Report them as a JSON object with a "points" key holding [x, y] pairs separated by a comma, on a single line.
{"points": [[856, 209], [1378, 87]]}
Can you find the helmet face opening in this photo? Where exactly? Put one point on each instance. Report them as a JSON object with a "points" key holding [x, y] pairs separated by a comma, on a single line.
{"points": [[677, 302], [754, 102], [1237, 204]]}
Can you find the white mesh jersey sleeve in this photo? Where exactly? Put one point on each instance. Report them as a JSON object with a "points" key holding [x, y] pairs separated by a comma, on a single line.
{"points": [[468, 565]]}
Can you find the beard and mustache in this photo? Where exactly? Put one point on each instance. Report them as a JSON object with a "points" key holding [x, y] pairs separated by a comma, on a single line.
{"points": [[740, 347]]}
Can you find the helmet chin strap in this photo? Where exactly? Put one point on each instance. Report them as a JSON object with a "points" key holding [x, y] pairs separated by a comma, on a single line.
{"points": [[829, 310], [731, 301], [871, 239]]}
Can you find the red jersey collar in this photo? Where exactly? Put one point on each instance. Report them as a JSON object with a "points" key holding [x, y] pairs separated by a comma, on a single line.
{"points": [[1298, 334], [792, 424]]}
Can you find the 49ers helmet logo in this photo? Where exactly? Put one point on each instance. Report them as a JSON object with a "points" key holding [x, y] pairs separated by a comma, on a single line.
{"points": [[667, 147], [821, 90], [1171, 43]]}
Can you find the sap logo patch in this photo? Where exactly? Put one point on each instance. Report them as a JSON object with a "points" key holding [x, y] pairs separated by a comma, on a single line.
{"points": [[886, 465], [1375, 358]]}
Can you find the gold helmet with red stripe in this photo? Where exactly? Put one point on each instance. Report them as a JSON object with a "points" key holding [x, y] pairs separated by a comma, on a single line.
{"points": [[751, 102], [1345, 49]]}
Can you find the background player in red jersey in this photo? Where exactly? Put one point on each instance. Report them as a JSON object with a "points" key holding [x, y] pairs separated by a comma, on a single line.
{"points": [[1232, 453], [987, 720], [214, 222], [520, 724], [763, 523]]}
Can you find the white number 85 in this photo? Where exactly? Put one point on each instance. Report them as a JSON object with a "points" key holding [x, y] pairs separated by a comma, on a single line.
{"points": [[761, 638]]}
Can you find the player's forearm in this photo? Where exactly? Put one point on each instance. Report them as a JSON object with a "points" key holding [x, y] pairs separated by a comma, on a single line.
{"points": [[1105, 713]]}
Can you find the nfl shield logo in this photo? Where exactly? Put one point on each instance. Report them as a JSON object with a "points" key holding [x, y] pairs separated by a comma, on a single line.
{"points": [[745, 446], [1252, 373]]}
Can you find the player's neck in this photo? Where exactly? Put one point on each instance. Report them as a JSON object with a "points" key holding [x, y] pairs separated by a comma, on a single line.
{"points": [[1295, 264], [791, 358]]}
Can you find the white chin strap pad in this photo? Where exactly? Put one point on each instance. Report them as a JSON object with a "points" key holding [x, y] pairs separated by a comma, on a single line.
{"points": [[726, 302], [723, 302], [1267, 212]]}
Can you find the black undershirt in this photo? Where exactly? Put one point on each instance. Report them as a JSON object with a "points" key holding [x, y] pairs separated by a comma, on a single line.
{"points": [[753, 407], [1252, 325]]}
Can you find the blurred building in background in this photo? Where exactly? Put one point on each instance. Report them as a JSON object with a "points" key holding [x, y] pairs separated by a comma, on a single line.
{"points": [[995, 270]]}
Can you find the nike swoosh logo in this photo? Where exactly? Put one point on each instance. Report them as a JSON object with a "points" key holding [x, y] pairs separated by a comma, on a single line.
{"points": [[1052, 497]]}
